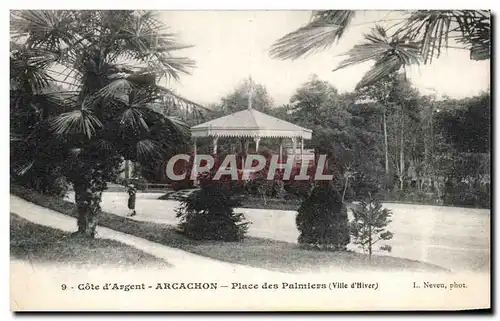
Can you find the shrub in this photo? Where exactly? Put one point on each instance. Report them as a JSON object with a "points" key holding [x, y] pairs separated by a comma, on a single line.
{"points": [[184, 184], [322, 219], [368, 226], [139, 183], [262, 187], [207, 214], [414, 196], [463, 194], [363, 185], [301, 189], [43, 179]]}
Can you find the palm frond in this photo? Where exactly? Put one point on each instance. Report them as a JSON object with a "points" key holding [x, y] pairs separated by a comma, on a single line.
{"points": [[133, 117], [43, 105], [81, 121], [24, 168], [323, 31], [28, 68], [146, 76], [119, 89], [389, 53], [104, 145], [36, 79], [476, 36], [384, 67], [148, 149], [375, 46], [179, 125], [433, 29], [157, 107], [34, 57], [51, 29], [171, 67], [183, 103], [146, 40]]}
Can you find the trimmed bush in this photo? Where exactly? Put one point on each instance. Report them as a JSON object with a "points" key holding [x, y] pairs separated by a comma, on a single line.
{"points": [[207, 214], [322, 219]]}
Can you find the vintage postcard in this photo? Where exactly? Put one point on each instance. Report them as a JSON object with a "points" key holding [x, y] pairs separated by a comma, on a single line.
{"points": [[334, 160]]}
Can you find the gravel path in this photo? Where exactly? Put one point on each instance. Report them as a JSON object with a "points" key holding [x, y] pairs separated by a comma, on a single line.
{"points": [[187, 262]]}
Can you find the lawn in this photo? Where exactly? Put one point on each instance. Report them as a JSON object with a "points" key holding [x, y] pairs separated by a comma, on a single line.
{"points": [[254, 202], [42, 244], [253, 251]]}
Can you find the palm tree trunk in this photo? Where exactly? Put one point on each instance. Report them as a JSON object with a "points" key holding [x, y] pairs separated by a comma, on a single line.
{"points": [[88, 195]]}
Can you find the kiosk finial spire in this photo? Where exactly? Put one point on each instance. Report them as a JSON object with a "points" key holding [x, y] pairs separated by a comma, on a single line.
{"points": [[250, 92]]}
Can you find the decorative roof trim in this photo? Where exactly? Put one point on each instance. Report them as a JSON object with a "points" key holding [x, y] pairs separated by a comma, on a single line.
{"points": [[242, 132], [249, 123]]}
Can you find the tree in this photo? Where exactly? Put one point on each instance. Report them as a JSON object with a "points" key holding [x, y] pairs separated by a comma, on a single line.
{"points": [[322, 219], [317, 102], [421, 35], [395, 98], [466, 123], [318, 105], [208, 213], [369, 223], [406, 98], [379, 93], [113, 108], [344, 129], [33, 99], [367, 152], [463, 149], [239, 98]]}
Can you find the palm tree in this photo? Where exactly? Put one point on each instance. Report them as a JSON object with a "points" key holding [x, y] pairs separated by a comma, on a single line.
{"points": [[33, 99], [112, 108], [420, 36]]}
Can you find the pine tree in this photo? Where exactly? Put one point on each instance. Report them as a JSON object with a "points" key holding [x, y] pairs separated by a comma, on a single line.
{"points": [[322, 219], [369, 223]]}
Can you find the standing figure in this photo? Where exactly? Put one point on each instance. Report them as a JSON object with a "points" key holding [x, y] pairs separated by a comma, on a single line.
{"points": [[131, 200]]}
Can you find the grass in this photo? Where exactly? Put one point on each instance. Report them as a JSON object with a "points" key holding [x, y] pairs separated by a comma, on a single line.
{"points": [[257, 202], [252, 251], [271, 203], [42, 244]]}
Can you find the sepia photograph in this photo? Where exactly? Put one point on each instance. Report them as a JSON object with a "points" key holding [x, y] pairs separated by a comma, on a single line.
{"points": [[250, 160]]}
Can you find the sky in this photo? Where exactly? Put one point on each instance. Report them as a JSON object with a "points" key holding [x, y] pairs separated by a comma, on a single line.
{"points": [[230, 46]]}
